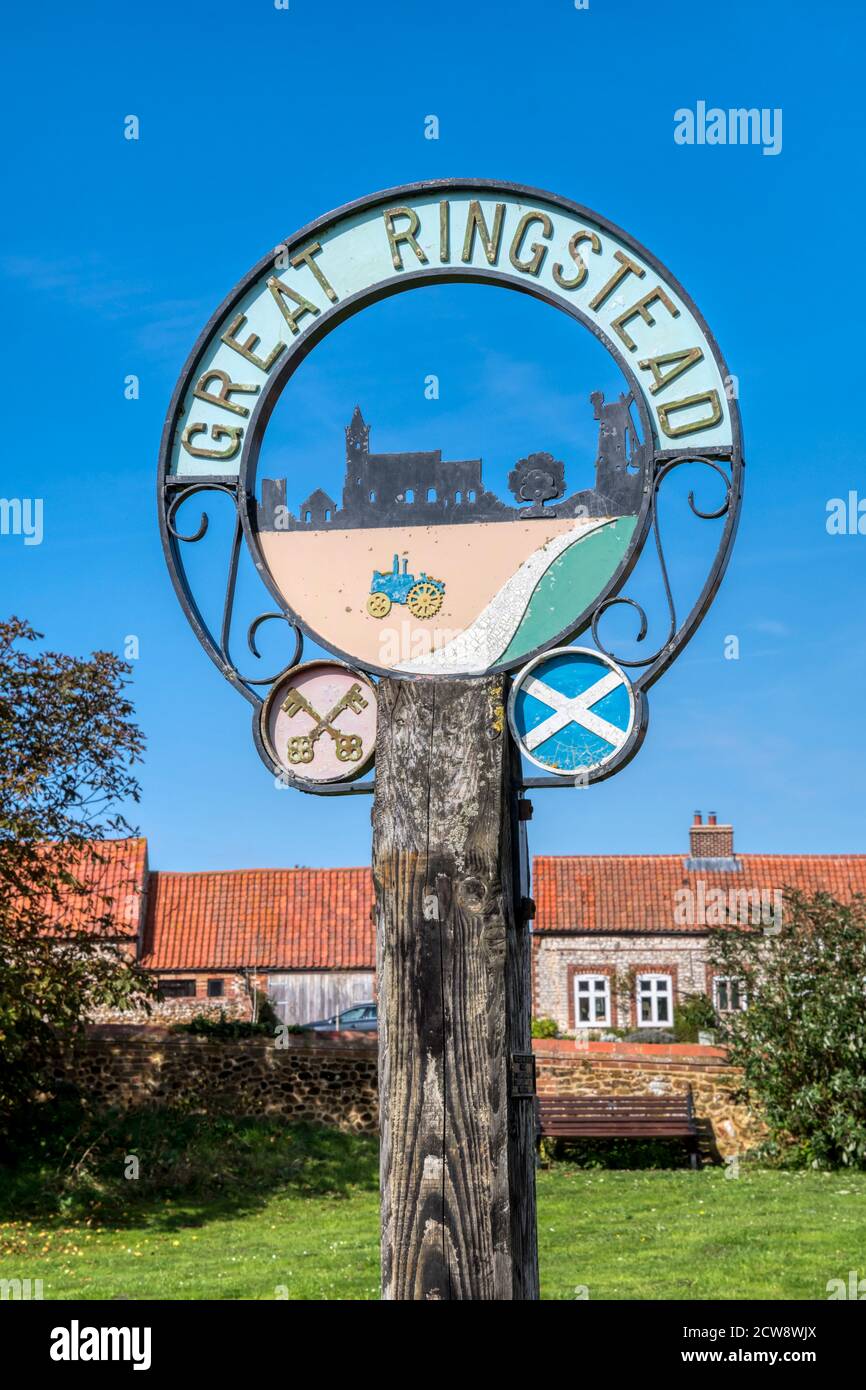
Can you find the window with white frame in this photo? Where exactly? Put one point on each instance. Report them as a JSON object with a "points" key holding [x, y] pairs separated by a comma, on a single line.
{"points": [[591, 1001], [654, 1000], [729, 994]]}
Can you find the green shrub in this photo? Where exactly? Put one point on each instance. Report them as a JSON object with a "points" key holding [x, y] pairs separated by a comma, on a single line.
{"points": [[544, 1028], [801, 1042], [693, 1016], [265, 1012]]}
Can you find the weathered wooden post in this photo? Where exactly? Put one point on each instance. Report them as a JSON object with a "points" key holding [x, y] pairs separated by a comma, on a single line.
{"points": [[428, 589], [456, 1114]]}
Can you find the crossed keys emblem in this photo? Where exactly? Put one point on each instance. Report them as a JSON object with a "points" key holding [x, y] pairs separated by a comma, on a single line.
{"points": [[301, 747]]}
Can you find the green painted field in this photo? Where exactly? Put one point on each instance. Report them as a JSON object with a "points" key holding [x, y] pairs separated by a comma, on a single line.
{"points": [[296, 1216]]}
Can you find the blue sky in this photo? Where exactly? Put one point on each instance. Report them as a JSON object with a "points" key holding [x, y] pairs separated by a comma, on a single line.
{"points": [[256, 120]]}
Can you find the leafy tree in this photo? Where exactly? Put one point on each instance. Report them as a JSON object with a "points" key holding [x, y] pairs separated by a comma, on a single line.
{"points": [[68, 747], [801, 1041]]}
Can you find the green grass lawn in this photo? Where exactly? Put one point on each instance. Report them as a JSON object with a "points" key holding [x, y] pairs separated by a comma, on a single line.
{"points": [[295, 1215]]}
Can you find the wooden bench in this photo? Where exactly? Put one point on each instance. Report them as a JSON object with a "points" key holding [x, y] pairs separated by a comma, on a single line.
{"points": [[619, 1117]]}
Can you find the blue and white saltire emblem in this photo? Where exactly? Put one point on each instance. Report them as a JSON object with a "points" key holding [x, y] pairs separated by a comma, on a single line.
{"points": [[571, 710]]}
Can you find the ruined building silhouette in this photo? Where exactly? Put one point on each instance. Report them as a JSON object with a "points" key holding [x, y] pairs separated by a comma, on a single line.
{"points": [[422, 489]]}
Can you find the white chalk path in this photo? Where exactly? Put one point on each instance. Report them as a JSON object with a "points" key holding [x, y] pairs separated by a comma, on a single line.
{"points": [[478, 646]]}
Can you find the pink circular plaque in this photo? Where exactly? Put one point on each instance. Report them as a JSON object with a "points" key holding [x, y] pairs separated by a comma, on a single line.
{"points": [[319, 722]]}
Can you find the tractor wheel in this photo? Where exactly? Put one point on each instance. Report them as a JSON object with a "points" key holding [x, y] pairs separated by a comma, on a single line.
{"points": [[378, 605], [424, 600]]}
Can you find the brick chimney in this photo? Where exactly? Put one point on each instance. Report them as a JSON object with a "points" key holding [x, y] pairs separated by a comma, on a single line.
{"points": [[710, 841]]}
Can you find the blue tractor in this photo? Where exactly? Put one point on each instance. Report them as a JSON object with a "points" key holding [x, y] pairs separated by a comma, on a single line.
{"points": [[422, 596]]}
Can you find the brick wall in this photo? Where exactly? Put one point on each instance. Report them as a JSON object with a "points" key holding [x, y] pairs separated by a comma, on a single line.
{"points": [[319, 1080], [332, 1079]]}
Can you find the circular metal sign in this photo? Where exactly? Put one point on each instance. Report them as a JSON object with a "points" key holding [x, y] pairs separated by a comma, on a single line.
{"points": [[571, 711], [319, 722], [418, 567]]}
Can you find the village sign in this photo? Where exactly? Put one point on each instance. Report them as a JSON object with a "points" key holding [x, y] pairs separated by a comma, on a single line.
{"points": [[449, 614], [465, 582]]}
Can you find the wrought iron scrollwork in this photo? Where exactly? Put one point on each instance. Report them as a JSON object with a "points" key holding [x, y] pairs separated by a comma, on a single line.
{"points": [[175, 492], [251, 643], [657, 661], [188, 490]]}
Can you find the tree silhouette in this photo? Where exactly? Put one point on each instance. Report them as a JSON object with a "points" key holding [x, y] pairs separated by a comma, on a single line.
{"points": [[537, 479]]}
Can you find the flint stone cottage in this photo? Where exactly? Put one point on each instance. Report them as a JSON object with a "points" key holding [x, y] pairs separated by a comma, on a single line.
{"points": [[617, 941]]}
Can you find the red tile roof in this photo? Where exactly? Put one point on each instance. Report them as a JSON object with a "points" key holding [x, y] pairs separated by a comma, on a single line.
{"points": [[638, 893], [282, 919], [319, 919], [116, 883]]}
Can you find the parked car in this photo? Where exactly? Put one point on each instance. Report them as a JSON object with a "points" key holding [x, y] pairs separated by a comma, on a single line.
{"points": [[357, 1018]]}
